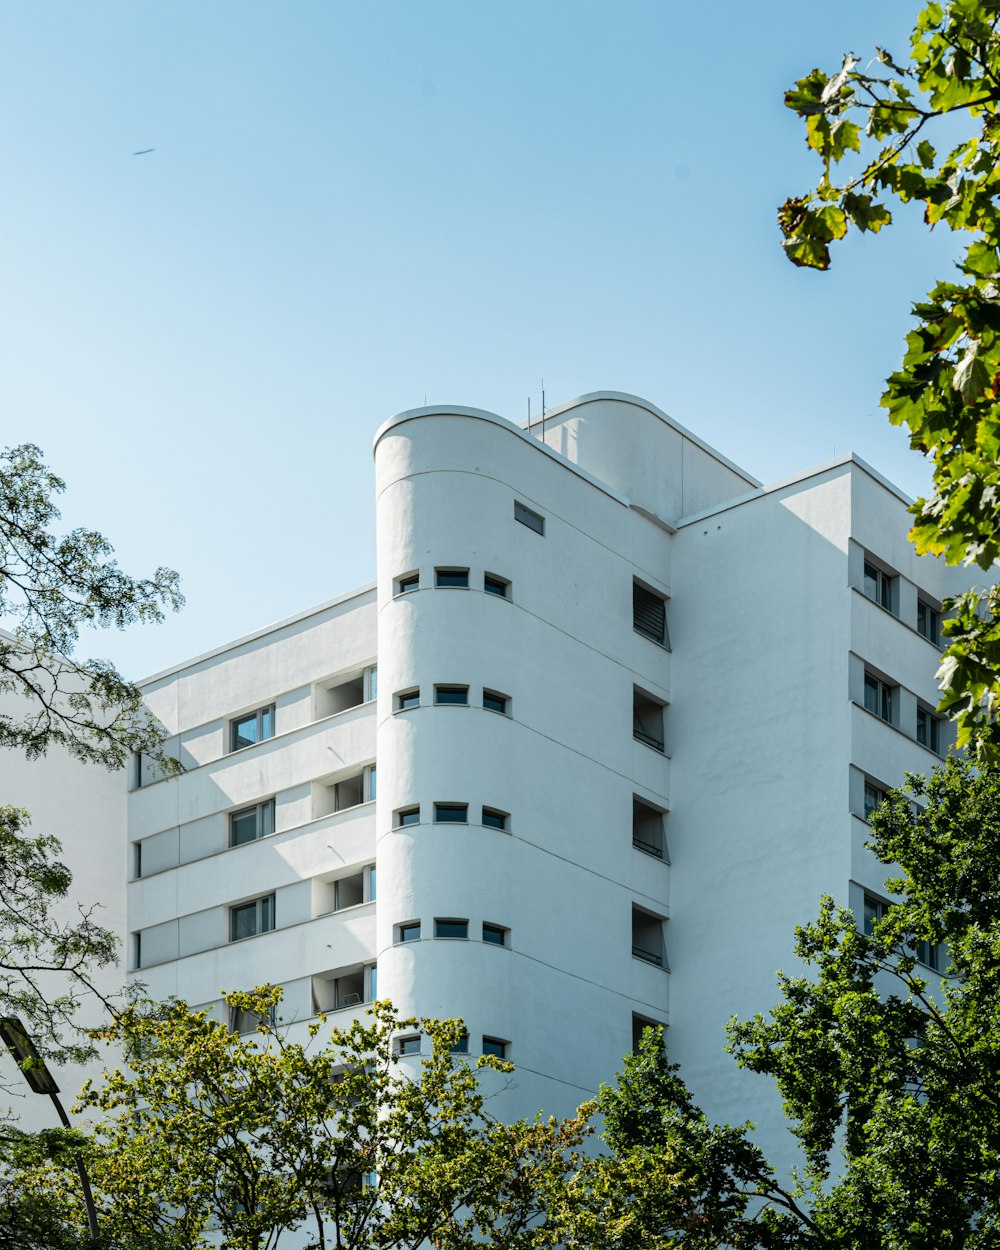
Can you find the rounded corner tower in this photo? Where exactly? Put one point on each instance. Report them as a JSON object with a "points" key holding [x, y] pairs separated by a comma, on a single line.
{"points": [[509, 673]]}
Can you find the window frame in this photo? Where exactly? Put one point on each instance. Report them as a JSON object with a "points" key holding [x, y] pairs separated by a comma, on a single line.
{"points": [[448, 570], [501, 930], [405, 1047], [500, 588], [405, 817], [886, 697], [503, 699], [883, 584], [451, 807], [495, 818], [449, 688], [259, 916], [496, 1046], [932, 732], [407, 700], [260, 811], [661, 638], [407, 931], [441, 922], [407, 584], [874, 788], [934, 612], [257, 715]]}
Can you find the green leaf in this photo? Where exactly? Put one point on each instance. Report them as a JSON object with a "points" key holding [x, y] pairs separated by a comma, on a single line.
{"points": [[972, 377]]}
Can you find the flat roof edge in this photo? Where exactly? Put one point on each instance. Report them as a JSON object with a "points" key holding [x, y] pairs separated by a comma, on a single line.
{"points": [[368, 589]]}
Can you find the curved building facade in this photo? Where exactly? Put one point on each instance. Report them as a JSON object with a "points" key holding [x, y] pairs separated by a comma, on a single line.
{"points": [[597, 738]]}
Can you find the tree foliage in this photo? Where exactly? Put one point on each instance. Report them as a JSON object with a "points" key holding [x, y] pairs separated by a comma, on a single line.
{"points": [[50, 588], [890, 1076], [874, 129], [249, 1138]]}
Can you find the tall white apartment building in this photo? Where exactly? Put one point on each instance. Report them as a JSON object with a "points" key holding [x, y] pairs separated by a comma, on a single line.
{"points": [[600, 734]]}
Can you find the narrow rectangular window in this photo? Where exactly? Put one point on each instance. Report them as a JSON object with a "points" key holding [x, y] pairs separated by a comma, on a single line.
{"points": [[405, 584], [409, 932], [408, 1046], [873, 797], [494, 1046], [407, 699], [454, 579], [254, 727], [531, 519], [878, 585], [451, 928], [874, 911], [495, 934], [649, 614], [461, 1047], [928, 729], [451, 813], [407, 816], [138, 950], [879, 697], [494, 701], [455, 695], [138, 859], [928, 622], [498, 586], [493, 818]]}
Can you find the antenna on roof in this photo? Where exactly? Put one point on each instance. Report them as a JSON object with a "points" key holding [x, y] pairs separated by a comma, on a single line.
{"points": [[543, 410]]}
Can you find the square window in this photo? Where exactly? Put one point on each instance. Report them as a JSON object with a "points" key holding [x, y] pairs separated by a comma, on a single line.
{"points": [[405, 584], [494, 701], [878, 585], [928, 729], [407, 699], [649, 614], [498, 586], [532, 520], [880, 698], [458, 696], [495, 1046], [451, 928], [454, 579], [249, 919], [408, 1045], [495, 934], [407, 816], [409, 932], [251, 823], [451, 813], [928, 622], [493, 818], [254, 727]]}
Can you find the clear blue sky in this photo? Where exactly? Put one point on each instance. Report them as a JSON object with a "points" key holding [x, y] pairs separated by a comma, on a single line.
{"points": [[352, 206]]}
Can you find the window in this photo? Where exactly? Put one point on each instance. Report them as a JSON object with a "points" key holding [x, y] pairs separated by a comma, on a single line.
{"points": [[647, 828], [243, 1021], [251, 823], [372, 877], [349, 891], [647, 937], [878, 586], [456, 695], [498, 586], [495, 934], [407, 699], [931, 955], [456, 579], [649, 614], [875, 910], [451, 928], [138, 859], [639, 1026], [254, 727], [928, 622], [408, 1045], [880, 697], [494, 701], [407, 816], [371, 683], [873, 797], [494, 1046], [531, 519], [928, 729], [647, 719], [405, 584], [461, 1047], [372, 980], [408, 932], [451, 813], [249, 919], [138, 950], [493, 818], [371, 777]]}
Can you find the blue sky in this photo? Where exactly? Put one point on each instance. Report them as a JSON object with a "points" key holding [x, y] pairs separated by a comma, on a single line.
{"points": [[353, 206]]}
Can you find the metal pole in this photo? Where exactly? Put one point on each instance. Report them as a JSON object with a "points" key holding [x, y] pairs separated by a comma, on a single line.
{"points": [[88, 1196]]}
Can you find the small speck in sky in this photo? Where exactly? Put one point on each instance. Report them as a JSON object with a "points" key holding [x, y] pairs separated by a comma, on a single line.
{"points": [[144, 151]]}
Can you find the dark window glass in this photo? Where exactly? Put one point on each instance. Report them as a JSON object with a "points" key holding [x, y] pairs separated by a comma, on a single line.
{"points": [[495, 933], [531, 519], [408, 816], [451, 928], [461, 1047], [453, 577], [494, 819], [251, 823], [410, 699], [494, 1046], [494, 702], [409, 932], [878, 697], [928, 729], [873, 797], [649, 614], [451, 694], [875, 911], [451, 813], [406, 584], [878, 586], [495, 586], [247, 730], [249, 919], [928, 622]]}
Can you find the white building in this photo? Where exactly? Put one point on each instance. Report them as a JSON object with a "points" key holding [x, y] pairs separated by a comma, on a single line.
{"points": [[581, 823]]}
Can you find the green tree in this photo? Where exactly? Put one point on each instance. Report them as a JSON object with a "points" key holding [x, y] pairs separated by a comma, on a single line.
{"points": [[874, 131], [257, 1136], [890, 1085]]}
